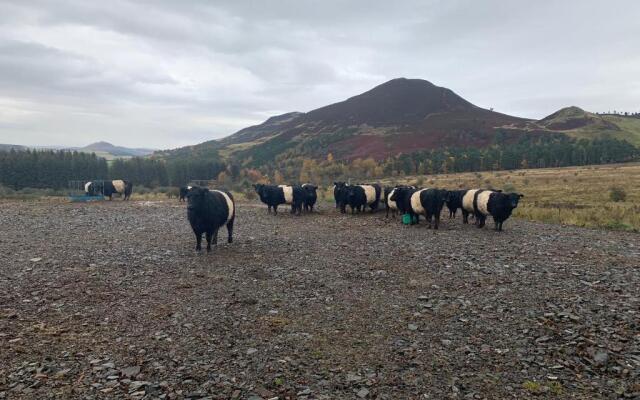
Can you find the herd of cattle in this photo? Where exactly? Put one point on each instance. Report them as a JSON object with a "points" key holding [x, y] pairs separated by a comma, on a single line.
{"points": [[208, 210], [415, 202]]}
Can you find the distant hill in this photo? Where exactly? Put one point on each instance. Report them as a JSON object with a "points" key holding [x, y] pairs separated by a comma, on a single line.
{"points": [[102, 149], [399, 116], [575, 122], [9, 147], [115, 151]]}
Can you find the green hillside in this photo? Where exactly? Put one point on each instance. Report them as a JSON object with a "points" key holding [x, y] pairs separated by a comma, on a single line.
{"points": [[580, 124]]}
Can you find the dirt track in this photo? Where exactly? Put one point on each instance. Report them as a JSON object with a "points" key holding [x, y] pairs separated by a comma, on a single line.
{"points": [[317, 306]]}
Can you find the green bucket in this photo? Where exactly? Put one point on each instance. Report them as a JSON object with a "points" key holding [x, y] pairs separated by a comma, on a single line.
{"points": [[406, 219]]}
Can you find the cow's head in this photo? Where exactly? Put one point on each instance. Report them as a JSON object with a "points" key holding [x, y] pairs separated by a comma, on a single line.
{"points": [[258, 187], [196, 197], [510, 200], [399, 193]]}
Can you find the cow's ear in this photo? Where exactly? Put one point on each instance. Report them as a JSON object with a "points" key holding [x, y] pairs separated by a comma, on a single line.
{"points": [[520, 195]]}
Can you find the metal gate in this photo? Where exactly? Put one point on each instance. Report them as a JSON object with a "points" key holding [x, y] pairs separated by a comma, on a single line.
{"points": [[77, 192]]}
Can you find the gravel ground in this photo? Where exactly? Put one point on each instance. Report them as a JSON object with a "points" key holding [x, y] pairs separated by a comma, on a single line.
{"points": [[109, 300]]}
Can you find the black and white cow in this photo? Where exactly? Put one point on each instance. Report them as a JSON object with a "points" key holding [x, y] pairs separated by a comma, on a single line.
{"points": [[184, 190], [109, 188], [340, 191], [310, 196], [455, 201], [273, 196], [209, 210], [416, 202], [361, 196], [392, 205], [483, 203]]}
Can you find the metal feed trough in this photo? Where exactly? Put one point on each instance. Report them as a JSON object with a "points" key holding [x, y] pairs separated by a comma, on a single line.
{"points": [[77, 193]]}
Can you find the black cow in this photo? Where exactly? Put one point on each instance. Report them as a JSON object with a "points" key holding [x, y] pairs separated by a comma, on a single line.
{"points": [[207, 211], [483, 203], [402, 197], [310, 196], [391, 205], [455, 202], [340, 191], [273, 196], [184, 190], [109, 188], [427, 202], [361, 196]]}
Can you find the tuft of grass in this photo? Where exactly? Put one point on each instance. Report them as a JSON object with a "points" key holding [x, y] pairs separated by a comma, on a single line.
{"points": [[616, 193], [556, 387], [532, 387]]}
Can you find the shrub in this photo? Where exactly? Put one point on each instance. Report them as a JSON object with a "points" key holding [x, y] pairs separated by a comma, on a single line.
{"points": [[6, 191], [250, 194], [617, 194], [141, 190], [508, 187]]}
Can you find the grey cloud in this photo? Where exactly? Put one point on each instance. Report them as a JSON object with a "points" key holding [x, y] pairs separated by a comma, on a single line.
{"points": [[167, 73]]}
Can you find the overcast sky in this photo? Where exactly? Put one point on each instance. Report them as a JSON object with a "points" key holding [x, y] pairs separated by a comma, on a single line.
{"points": [[164, 74]]}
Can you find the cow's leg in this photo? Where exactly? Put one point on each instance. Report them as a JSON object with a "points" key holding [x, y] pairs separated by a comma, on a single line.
{"points": [[437, 220], [208, 236], [215, 236], [230, 230], [275, 210], [481, 221], [465, 216], [427, 218], [198, 240]]}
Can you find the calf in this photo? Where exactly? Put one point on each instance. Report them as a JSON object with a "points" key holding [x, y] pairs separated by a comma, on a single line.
{"points": [[207, 211], [310, 196], [361, 196], [184, 190], [483, 203], [273, 196]]}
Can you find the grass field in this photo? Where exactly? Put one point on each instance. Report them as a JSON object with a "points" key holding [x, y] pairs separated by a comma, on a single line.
{"points": [[573, 195]]}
